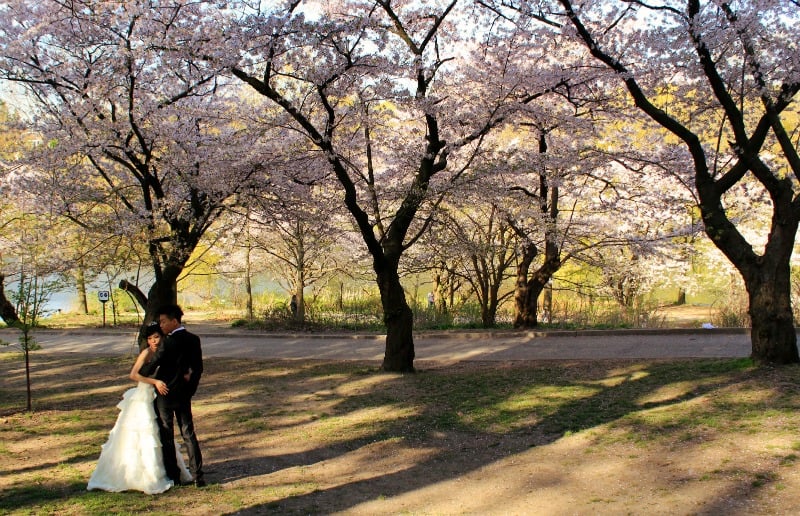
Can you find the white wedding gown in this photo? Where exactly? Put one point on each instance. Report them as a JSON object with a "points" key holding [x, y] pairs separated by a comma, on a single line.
{"points": [[131, 459]]}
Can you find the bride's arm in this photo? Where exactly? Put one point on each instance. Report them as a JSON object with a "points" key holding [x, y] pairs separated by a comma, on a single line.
{"points": [[160, 386]]}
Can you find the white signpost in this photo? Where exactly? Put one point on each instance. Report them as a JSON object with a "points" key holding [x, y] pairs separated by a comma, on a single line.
{"points": [[104, 296]]}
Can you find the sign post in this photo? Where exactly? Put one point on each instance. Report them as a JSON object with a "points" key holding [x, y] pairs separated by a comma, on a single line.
{"points": [[103, 296]]}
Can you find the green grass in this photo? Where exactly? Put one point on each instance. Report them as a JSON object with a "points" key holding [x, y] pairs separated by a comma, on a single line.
{"points": [[278, 422]]}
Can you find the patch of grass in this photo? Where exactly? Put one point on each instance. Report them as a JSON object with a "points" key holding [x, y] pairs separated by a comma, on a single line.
{"points": [[761, 479]]}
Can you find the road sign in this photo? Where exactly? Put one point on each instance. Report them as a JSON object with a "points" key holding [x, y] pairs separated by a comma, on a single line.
{"points": [[103, 296]]}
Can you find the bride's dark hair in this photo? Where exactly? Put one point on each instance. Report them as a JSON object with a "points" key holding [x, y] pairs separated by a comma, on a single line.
{"points": [[151, 329]]}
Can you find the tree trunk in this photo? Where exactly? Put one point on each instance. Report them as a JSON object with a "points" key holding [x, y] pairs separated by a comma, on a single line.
{"points": [[300, 275], [449, 299], [163, 292], [526, 295], [524, 316], [300, 314], [489, 316], [772, 335], [533, 290], [80, 283], [135, 291], [299, 295], [527, 314], [444, 291], [767, 278], [547, 303], [436, 288], [248, 286], [399, 320], [7, 310]]}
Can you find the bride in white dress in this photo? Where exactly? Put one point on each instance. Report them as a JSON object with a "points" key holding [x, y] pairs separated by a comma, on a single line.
{"points": [[131, 459]]}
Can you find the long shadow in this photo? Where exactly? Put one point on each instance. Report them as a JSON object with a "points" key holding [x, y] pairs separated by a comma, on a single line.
{"points": [[607, 405], [64, 382], [74, 459], [439, 405]]}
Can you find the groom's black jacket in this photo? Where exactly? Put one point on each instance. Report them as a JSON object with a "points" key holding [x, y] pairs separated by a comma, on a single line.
{"points": [[179, 352]]}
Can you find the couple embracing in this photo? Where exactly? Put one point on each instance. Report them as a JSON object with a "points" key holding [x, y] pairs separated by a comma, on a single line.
{"points": [[140, 453]]}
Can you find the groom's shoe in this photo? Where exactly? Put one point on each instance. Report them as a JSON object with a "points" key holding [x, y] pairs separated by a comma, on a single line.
{"points": [[200, 482]]}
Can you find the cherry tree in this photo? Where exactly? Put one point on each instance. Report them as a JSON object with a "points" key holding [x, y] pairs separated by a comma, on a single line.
{"points": [[139, 134], [736, 63], [9, 147], [380, 89]]}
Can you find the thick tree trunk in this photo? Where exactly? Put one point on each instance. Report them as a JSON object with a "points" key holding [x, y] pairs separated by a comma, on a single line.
{"points": [[399, 320], [524, 317], [527, 315], [163, 292], [487, 317], [773, 337], [767, 278], [530, 313]]}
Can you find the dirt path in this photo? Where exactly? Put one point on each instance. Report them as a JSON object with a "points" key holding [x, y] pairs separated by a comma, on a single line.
{"points": [[444, 347]]}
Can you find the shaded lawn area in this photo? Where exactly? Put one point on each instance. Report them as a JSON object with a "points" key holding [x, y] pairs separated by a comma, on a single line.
{"points": [[300, 437]]}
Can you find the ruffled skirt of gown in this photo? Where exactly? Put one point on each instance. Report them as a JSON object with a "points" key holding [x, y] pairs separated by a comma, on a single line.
{"points": [[131, 459]]}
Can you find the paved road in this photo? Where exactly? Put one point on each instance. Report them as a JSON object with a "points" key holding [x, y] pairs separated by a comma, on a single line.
{"points": [[442, 346]]}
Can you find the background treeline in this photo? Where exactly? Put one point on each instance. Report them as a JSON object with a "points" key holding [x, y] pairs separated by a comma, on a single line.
{"points": [[514, 158]]}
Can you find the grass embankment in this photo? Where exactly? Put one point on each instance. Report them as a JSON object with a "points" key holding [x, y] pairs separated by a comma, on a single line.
{"points": [[678, 437]]}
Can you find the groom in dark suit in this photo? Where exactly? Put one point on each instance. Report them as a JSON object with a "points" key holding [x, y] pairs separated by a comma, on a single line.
{"points": [[178, 363]]}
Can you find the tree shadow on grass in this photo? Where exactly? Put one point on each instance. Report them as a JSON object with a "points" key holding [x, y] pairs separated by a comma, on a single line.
{"points": [[610, 396], [468, 416]]}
